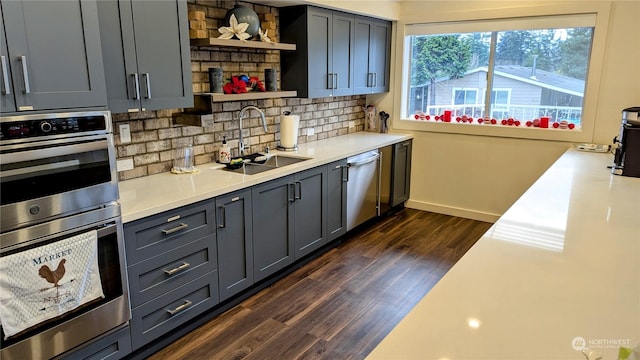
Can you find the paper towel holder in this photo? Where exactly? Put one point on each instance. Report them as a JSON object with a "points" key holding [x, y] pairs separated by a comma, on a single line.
{"points": [[292, 123]]}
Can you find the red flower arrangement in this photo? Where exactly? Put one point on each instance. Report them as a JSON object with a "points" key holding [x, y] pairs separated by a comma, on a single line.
{"points": [[236, 86], [239, 84]]}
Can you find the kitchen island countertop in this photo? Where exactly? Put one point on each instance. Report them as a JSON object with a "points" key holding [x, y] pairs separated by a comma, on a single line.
{"points": [[150, 195], [557, 273]]}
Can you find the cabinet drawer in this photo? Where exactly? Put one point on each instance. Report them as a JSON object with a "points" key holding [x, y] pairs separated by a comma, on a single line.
{"points": [[160, 274], [160, 233], [113, 346], [161, 315]]}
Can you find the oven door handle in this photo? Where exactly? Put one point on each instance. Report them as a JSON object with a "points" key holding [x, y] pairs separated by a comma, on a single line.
{"points": [[41, 153]]}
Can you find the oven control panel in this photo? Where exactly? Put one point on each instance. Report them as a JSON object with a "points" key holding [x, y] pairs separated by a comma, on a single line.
{"points": [[50, 126]]}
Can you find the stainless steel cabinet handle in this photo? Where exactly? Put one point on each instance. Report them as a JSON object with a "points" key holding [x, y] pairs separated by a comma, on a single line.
{"points": [[375, 79], [5, 76], [180, 308], [25, 74], [223, 222], [184, 266], [330, 81], [336, 81], [136, 86], [369, 79], [345, 178], [291, 199], [177, 228], [299, 197], [148, 83]]}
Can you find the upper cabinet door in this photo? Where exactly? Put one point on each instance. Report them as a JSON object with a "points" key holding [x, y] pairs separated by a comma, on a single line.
{"points": [[163, 51], [380, 55], [372, 55], [7, 102], [320, 53], [53, 51], [363, 78], [342, 57], [147, 57]]}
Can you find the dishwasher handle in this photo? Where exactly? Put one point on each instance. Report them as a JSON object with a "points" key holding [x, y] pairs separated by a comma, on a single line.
{"points": [[364, 161]]}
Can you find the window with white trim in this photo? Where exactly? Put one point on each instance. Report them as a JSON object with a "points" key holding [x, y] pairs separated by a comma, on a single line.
{"points": [[518, 72]]}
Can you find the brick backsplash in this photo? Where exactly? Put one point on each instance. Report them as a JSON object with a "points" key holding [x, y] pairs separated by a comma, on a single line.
{"points": [[154, 136]]}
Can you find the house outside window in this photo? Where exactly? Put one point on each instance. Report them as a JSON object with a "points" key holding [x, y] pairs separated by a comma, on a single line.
{"points": [[529, 68]]}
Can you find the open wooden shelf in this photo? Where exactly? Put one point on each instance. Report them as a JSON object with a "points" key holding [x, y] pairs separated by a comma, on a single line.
{"points": [[202, 112], [250, 44], [251, 95]]}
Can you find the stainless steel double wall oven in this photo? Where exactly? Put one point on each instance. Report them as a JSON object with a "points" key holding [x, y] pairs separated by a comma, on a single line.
{"points": [[58, 180]]}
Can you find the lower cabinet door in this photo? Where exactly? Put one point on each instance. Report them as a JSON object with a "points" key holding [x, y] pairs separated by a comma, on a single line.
{"points": [[272, 207], [401, 179], [161, 315], [310, 210], [336, 199], [112, 346], [235, 242]]}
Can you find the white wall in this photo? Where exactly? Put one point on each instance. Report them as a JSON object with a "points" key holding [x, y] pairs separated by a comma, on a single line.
{"points": [[481, 176]]}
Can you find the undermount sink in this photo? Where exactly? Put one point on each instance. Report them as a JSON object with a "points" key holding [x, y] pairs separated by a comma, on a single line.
{"points": [[272, 162]]}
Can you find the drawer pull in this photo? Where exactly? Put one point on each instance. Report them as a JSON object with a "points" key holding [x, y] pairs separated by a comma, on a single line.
{"points": [[177, 228], [184, 266], [180, 308]]}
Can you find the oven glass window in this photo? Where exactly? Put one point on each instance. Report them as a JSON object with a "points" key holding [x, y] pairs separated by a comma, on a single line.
{"points": [[55, 169]]}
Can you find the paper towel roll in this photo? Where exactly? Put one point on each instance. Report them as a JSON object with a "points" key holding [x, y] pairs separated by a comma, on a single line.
{"points": [[289, 130]]}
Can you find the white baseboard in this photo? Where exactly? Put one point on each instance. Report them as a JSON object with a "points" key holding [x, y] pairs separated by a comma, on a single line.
{"points": [[453, 211]]}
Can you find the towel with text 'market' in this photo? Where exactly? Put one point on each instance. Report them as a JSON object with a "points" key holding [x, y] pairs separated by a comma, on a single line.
{"points": [[47, 281]]}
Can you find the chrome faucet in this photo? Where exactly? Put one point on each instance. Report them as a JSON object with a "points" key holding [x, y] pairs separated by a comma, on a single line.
{"points": [[241, 146]]}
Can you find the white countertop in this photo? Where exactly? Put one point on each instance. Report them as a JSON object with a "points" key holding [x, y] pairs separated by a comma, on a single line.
{"points": [[153, 194], [561, 266]]}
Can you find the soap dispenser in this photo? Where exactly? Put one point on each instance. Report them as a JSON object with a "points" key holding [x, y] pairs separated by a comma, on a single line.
{"points": [[224, 153]]}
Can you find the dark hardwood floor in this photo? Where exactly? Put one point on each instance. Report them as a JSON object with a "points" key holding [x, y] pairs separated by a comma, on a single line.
{"points": [[343, 303]]}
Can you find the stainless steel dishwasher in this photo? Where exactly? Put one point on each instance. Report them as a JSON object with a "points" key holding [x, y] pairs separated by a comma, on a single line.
{"points": [[363, 195]]}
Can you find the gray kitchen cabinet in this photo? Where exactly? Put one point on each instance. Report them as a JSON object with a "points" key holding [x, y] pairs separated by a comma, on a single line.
{"points": [[337, 173], [172, 268], [310, 210], [289, 219], [372, 55], [235, 242], [51, 56], [7, 101], [401, 169], [159, 316], [323, 64], [147, 61], [272, 209]]}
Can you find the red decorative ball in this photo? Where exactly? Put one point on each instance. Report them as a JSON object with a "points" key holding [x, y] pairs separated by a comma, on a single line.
{"points": [[480, 121], [536, 122], [428, 117], [504, 122], [510, 121], [437, 117], [556, 125], [470, 119], [529, 123], [516, 123], [494, 121], [571, 126], [416, 116]]}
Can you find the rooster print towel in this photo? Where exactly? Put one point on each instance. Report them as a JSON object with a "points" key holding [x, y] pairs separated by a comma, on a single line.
{"points": [[44, 282]]}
